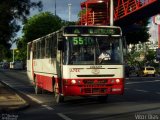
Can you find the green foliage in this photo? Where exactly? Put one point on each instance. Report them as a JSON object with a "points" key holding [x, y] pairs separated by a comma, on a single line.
{"points": [[12, 11], [137, 32], [40, 25], [21, 51], [66, 23], [133, 58], [35, 27], [4, 53], [140, 35], [150, 56]]}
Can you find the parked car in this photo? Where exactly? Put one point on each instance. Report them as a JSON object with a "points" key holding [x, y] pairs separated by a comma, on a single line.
{"points": [[147, 71], [4, 65], [17, 65]]}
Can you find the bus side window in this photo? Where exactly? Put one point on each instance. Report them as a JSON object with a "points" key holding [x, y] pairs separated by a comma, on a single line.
{"points": [[28, 50], [53, 46], [38, 50], [34, 50], [47, 46], [42, 50]]}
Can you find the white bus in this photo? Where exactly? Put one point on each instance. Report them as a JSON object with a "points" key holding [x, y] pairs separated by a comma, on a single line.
{"points": [[78, 61]]}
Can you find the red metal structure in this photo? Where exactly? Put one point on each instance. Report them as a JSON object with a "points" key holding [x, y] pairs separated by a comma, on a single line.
{"points": [[96, 12]]}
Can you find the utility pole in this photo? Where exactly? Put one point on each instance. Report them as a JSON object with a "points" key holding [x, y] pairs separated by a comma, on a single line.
{"points": [[111, 12], [55, 8], [69, 11], [13, 55]]}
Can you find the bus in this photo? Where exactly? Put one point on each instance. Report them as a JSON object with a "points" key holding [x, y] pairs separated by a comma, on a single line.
{"points": [[78, 61]]}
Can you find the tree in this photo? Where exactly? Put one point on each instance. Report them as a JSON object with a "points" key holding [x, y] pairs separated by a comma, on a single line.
{"points": [[12, 11], [22, 48], [40, 25], [137, 32], [35, 27]]}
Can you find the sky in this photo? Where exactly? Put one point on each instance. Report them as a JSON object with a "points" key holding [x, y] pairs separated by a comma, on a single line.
{"points": [[61, 8]]}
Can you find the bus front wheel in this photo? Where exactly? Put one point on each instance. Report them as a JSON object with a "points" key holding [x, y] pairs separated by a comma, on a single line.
{"points": [[58, 97]]}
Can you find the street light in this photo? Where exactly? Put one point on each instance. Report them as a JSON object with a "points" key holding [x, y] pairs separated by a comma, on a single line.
{"points": [[15, 50], [69, 11]]}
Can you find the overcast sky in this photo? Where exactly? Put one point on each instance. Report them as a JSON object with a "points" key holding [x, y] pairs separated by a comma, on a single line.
{"points": [[61, 8]]}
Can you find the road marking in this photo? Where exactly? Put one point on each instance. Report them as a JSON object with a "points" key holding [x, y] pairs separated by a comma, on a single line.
{"points": [[63, 116], [34, 99], [48, 107], [157, 92], [143, 82], [141, 90]]}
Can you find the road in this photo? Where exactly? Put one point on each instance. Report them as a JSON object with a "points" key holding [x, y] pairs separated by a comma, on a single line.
{"points": [[141, 100]]}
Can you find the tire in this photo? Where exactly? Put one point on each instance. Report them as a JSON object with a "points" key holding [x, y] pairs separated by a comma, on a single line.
{"points": [[58, 97], [37, 89], [102, 99]]}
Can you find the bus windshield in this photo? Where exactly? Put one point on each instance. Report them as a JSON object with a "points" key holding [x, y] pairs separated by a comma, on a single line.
{"points": [[93, 50]]}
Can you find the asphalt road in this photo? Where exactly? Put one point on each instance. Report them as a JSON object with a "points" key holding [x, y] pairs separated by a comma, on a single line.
{"points": [[141, 101]]}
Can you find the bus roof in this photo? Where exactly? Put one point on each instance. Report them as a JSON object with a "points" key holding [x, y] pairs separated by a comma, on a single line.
{"points": [[81, 30]]}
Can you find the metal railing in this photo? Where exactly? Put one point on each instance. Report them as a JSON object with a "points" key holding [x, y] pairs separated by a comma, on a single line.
{"points": [[124, 8]]}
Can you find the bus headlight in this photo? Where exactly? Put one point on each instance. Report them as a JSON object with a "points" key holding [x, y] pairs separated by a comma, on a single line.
{"points": [[117, 80], [73, 81]]}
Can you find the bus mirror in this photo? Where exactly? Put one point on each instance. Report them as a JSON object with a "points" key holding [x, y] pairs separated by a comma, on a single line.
{"points": [[60, 45]]}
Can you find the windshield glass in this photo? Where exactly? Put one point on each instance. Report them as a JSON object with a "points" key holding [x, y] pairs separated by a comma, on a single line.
{"points": [[93, 50]]}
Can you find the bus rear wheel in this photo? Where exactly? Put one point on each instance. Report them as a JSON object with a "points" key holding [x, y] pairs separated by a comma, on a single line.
{"points": [[37, 89]]}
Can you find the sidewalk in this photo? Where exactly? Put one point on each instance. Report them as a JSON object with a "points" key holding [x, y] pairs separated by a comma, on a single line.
{"points": [[10, 100]]}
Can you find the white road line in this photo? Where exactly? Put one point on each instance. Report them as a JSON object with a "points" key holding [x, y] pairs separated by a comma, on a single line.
{"points": [[141, 90], [63, 116], [48, 107], [143, 82], [34, 99], [40, 102], [158, 93]]}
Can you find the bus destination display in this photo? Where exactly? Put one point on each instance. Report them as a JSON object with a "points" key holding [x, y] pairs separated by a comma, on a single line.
{"points": [[92, 30]]}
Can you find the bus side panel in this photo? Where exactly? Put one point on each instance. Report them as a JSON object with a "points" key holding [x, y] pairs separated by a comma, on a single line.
{"points": [[29, 70], [44, 70], [45, 82]]}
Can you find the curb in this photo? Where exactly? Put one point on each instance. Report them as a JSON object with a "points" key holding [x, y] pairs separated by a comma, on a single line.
{"points": [[11, 108]]}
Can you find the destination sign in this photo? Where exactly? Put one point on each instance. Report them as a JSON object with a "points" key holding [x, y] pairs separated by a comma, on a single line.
{"points": [[80, 30]]}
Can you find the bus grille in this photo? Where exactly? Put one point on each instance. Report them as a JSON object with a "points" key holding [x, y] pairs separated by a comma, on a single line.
{"points": [[94, 90], [93, 82]]}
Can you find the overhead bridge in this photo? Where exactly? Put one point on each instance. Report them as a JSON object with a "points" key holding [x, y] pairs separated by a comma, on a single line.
{"points": [[126, 12], [129, 11]]}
